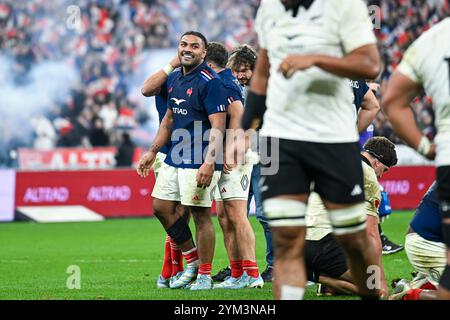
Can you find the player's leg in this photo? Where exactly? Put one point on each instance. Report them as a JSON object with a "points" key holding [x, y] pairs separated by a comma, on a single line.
{"points": [[175, 251], [339, 181], [285, 190], [230, 244], [443, 186], [245, 243], [256, 175], [199, 201]]}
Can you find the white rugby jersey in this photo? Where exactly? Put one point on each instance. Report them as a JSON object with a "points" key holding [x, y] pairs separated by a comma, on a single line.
{"points": [[313, 105], [427, 62]]}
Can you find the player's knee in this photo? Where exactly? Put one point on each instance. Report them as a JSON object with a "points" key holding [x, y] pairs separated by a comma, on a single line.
{"points": [[355, 242], [348, 220], [180, 231], [289, 242], [281, 212], [201, 217]]}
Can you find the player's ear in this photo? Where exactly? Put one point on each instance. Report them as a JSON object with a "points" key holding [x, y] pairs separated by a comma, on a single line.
{"points": [[204, 53]]}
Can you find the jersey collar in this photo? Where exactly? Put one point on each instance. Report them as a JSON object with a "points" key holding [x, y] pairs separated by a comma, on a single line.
{"points": [[194, 72]]}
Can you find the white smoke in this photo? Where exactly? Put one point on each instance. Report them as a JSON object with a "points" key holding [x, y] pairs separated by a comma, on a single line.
{"points": [[46, 83]]}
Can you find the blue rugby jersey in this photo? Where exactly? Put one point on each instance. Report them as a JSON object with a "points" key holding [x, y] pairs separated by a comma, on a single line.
{"points": [[427, 219], [192, 98], [234, 89], [360, 89]]}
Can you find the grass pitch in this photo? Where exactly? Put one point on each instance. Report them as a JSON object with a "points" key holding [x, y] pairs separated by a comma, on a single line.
{"points": [[122, 258]]}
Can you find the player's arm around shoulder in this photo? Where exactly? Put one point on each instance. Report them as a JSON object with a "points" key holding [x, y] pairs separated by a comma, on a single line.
{"points": [[152, 85], [368, 111]]}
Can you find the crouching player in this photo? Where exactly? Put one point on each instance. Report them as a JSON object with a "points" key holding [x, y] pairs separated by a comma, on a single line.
{"points": [[425, 248], [233, 187], [324, 257]]}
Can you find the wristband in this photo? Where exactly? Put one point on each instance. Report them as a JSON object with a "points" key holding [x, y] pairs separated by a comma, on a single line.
{"points": [[254, 110], [168, 69], [424, 146]]}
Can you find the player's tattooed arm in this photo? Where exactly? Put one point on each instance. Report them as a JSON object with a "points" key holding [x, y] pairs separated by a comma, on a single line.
{"points": [[152, 85], [368, 111]]}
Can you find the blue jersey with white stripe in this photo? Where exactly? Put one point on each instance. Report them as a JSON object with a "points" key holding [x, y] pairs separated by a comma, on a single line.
{"points": [[192, 98], [234, 89], [427, 219]]}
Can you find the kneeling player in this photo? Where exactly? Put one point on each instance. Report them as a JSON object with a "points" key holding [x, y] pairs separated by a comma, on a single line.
{"points": [[425, 249], [324, 258]]}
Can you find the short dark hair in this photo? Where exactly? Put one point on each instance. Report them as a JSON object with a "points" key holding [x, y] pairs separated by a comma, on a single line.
{"points": [[217, 54], [243, 54], [381, 149], [197, 34]]}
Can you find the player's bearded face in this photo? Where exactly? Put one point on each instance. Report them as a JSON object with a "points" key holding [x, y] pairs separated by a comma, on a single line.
{"points": [[191, 51], [243, 74]]}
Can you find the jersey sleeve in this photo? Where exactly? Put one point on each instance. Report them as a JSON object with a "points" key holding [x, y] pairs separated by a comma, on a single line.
{"points": [[234, 94], [356, 28], [363, 87], [163, 93], [216, 97], [409, 64]]}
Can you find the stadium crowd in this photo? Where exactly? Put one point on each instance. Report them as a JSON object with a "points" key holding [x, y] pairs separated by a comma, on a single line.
{"points": [[105, 47]]}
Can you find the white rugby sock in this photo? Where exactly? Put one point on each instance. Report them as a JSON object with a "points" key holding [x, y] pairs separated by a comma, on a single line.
{"points": [[291, 293]]}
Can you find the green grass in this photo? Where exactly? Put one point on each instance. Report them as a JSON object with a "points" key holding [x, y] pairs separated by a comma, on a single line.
{"points": [[121, 259]]}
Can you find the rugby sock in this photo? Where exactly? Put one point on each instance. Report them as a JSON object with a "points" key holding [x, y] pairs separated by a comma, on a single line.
{"points": [[251, 268], [413, 294], [236, 268], [167, 265], [205, 268], [292, 293], [191, 257], [177, 258]]}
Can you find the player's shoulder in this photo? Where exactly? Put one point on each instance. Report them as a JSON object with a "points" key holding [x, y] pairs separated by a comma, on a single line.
{"points": [[434, 36], [369, 173], [270, 8]]}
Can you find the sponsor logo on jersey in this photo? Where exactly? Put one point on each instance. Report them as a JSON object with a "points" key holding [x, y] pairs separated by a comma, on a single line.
{"points": [[178, 101], [356, 190]]}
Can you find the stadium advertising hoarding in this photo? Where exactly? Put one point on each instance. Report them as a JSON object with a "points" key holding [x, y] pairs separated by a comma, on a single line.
{"points": [[407, 185], [111, 193], [114, 193], [7, 188], [67, 158]]}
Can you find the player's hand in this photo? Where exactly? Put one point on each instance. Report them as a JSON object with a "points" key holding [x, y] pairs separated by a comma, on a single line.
{"points": [[145, 164], [374, 86], [432, 153], [175, 62], [204, 175], [293, 63]]}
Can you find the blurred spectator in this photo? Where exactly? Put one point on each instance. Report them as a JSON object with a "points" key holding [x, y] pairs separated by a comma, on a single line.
{"points": [[125, 151], [104, 47]]}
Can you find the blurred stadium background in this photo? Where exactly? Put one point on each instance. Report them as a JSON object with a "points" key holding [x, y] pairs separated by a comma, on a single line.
{"points": [[70, 77]]}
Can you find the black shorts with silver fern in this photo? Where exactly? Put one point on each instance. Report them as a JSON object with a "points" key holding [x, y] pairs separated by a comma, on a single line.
{"points": [[333, 170]]}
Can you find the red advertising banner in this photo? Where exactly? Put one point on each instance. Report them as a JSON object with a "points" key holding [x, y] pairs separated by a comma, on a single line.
{"points": [[110, 193], [407, 185], [67, 158]]}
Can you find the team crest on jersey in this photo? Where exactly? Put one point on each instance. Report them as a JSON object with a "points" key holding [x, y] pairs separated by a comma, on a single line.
{"points": [[189, 92], [377, 203]]}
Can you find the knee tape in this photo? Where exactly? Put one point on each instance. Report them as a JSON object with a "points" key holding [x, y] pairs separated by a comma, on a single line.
{"points": [[284, 212], [348, 220], [179, 231]]}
